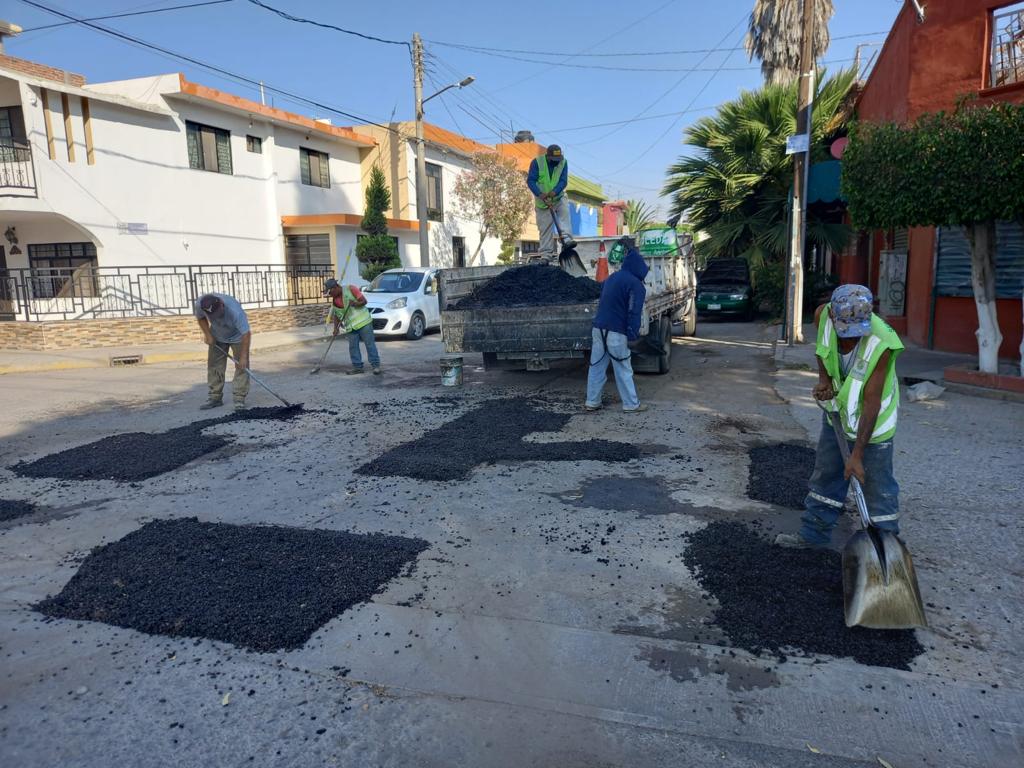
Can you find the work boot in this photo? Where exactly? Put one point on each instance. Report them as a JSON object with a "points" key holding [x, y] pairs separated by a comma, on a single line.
{"points": [[591, 408], [639, 409], [793, 541], [239, 406], [354, 371], [211, 403], [376, 370]]}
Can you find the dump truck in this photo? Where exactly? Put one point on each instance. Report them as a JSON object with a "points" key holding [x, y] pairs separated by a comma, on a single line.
{"points": [[531, 337]]}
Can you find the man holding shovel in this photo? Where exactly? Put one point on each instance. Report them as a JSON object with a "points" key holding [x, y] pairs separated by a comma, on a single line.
{"points": [[349, 312], [547, 179], [225, 326], [856, 351]]}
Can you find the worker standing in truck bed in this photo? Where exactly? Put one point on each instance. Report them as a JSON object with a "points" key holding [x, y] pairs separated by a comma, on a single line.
{"points": [[547, 180]]}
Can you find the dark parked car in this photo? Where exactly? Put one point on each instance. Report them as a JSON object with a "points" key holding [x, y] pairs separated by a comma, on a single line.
{"points": [[723, 288]]}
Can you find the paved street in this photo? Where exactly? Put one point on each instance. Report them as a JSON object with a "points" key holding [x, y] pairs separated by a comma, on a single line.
{"points": [[552, 620]]}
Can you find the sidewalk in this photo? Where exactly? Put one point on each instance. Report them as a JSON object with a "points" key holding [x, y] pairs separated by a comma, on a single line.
{"points": [[16, 361]]}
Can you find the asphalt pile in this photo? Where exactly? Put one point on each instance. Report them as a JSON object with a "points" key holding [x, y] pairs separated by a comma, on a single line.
{"points": [[134, 456], [265, 588], [786, 601], [779, 473], [12, 509], [531, 286], [489, 434]]}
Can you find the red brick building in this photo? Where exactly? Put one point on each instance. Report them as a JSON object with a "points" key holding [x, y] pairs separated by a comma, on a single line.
{"points": [[962, 48]]}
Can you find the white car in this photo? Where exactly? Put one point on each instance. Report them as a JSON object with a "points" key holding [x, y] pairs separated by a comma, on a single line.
{"points": [[403, 302]]}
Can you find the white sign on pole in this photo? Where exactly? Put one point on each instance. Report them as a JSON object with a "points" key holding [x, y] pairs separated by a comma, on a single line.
{"points": [[798, 142]]}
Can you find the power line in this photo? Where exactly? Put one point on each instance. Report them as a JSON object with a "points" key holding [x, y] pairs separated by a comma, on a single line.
{"points": [[301, 20], [620, 54], [213, 68], [124, 15]]}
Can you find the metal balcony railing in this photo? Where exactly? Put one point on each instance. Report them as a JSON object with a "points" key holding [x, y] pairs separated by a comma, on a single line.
{"points": [[17, 172], [89, 292], [1007, 63]]}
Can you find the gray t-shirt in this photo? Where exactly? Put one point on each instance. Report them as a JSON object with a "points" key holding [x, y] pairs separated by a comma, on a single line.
{"points": [[231, 325]]}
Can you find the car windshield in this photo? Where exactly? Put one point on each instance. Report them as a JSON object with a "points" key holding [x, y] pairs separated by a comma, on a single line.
{"points": [[396, 282]]}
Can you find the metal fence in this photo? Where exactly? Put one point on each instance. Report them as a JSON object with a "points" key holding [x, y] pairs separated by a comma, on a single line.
{"points": [[16, 169], [86, 292], [1007, 64]]}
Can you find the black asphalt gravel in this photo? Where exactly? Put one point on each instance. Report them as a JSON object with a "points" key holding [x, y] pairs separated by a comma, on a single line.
{"points": [[489, 434], [778, 474], [265, 588], [786, 601], [530, 286], [134, 456], [12, 509]]}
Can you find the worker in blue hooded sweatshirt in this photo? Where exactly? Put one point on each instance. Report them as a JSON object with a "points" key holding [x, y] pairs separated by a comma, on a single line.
{"points": [[616, 324]]}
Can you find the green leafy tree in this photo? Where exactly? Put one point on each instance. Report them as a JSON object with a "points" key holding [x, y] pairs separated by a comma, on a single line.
{"points": [[638, 215], [734, 188], [962, 169], [773, 36], [376, 250]]}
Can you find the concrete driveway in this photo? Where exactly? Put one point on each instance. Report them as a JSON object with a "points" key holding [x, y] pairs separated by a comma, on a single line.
{"points": [[552, 620]]}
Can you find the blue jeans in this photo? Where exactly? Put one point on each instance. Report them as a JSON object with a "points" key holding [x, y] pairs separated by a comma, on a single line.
{"points": [[366, 335], [824, 502], [617, 353]]}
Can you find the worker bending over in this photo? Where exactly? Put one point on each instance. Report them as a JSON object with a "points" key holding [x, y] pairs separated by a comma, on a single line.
{"points": [[225, 326], [349, 312]]}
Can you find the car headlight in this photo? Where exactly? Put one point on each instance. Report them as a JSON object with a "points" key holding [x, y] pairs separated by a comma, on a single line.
{"points": [[397, 303], [737, 296]]}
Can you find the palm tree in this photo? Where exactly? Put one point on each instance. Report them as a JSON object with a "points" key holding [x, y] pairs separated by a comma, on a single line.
{"points": [[774, 36], [638, 215], [735, 187]]}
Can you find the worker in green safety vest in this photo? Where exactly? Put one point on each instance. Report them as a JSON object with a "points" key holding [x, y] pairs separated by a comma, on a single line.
{"points": [[547, 179], [856, 351], [349, 313]]}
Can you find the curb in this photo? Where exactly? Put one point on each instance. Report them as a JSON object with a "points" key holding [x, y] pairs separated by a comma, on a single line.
{"points": [[147, 359]]}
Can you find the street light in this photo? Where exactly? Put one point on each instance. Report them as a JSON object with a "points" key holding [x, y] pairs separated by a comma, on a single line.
{"points": [[421, 160]]}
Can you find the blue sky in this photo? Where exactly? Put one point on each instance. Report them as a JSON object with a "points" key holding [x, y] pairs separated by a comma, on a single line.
{"points": [[374, 80]]}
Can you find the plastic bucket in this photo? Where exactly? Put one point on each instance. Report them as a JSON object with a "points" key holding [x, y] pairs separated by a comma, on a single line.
{"points": [[451, 371]]}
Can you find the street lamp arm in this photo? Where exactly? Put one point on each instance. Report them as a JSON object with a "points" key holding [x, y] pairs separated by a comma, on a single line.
{"points": [[461, 84]]}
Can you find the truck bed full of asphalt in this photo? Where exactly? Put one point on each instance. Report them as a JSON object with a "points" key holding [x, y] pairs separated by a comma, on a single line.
{"points": [[265, 588], [781, 600], [134, 456], [531, 286]]}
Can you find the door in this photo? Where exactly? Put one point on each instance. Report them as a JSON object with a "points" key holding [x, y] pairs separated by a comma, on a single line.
{"points": [[458, 252], [431, 308]]}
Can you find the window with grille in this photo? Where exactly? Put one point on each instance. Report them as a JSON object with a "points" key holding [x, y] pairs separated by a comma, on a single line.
{"points": [[531, 246], [314, 166], [309, 252], [62, 269], [209, 149], [254, 144], [435, 198], [1006, 63], [458, 251]]}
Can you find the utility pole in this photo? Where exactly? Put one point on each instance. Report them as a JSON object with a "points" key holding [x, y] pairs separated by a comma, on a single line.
{"points": [[421, 159], [801, 164]]}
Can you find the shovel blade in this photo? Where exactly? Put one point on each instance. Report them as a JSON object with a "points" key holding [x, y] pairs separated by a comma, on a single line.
{"points": [[880, 587], [570, 262]]}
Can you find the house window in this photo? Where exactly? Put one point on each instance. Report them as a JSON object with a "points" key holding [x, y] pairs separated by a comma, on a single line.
{"points": [[315, 171], [62, 269], [308, 253], [1006, 64], [254, 144], [530, 246], [435, 199], [209, 149], [458, 251]]}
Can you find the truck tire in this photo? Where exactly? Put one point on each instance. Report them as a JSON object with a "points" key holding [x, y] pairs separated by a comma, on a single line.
{"points": [[665, 358], [690, 320], [490, 361]]}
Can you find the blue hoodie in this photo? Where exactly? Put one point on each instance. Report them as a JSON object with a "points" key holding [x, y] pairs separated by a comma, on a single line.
{"points": [[622, 297]]}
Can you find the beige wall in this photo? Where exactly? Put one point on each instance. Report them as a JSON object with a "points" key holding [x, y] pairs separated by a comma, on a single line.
{"points": [[390, 154]]}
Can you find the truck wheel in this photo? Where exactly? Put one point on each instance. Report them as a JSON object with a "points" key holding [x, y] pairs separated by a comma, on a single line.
{"points": [[490, 361], [690, 320], [665, 358]]}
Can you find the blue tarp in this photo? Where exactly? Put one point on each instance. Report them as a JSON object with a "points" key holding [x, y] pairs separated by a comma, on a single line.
{"points": [[584, 219]]}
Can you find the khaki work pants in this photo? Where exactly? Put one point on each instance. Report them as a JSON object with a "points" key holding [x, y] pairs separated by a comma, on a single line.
{"points": [[216, 367]]}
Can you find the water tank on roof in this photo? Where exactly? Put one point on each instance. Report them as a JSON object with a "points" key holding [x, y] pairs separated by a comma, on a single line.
{"points": [[524, 137]]}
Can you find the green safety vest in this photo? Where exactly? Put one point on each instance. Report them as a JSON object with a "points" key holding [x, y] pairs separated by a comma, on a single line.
{"points": [[849, 398], [356, 318], [546, 178]]}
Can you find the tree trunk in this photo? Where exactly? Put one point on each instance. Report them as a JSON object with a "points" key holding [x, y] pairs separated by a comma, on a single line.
{"points": [[982, 236], [479, 247]]}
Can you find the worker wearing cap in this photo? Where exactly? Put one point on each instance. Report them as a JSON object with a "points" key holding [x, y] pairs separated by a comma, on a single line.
{"points": [[856, 353], [225, 326], [348, 311], [547, 179]]}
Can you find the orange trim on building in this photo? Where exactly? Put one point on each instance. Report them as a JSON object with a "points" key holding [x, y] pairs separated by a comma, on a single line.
{"points": [[342, 220], [523, 153], [230, 100], [437, 135]]}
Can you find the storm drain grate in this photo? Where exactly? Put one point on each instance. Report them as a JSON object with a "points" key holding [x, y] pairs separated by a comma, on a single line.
{"points": [[123, 360]]}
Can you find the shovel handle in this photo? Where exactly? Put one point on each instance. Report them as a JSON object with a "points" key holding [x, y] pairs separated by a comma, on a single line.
{"points": [[254, 378], [844, 451]]}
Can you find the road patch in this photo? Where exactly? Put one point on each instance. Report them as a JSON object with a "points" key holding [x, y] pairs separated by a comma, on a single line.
{"points": [[779, 473]]}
